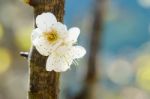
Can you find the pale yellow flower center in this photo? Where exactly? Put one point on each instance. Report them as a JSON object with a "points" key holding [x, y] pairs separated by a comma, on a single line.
{"points": [[51, 36]]}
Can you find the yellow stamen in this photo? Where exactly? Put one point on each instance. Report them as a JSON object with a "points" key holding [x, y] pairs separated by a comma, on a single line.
{"points": [[51, 36]]}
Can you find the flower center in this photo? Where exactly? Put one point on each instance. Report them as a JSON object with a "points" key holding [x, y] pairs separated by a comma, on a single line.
{"points": [[51, 36]]}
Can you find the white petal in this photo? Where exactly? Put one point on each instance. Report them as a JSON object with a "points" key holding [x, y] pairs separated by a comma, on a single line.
{"points": [[64, 51], [36, 33], [73, 34], [57, 63], [68, 59], [77, 52], [50, 63], [61, 29], [45, 21], [42, 46], [60, 26]]}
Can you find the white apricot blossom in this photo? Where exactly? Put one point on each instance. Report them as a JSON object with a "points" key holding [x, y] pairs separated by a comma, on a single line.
{"points": [[61, 59], [52, 39], [49, 33]]}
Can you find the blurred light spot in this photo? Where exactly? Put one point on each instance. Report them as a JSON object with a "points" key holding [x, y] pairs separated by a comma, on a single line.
{"points": [[107, 94], [113, 14], [5, 60], [133, 93], [27, 1], [120, 72], [143, 72], [23, 38], [144, 3], [1, 31]]}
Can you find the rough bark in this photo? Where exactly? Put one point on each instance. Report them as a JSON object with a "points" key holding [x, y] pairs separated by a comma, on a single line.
{"points": [[43, 84]]}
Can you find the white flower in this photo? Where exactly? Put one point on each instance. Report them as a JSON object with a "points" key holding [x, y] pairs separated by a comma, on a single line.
{"points": [[49, 33], [52, 39], [61, 59]]}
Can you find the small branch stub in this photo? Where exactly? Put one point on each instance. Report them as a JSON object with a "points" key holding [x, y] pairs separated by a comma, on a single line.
{"points": [[24, 54]]}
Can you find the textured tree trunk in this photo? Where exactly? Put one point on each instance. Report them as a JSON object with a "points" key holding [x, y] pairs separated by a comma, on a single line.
{"points": [[43, 84]]}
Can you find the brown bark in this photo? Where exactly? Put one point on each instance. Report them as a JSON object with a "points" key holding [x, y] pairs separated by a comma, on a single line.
{"points": [[100, 8], [43, 84]]}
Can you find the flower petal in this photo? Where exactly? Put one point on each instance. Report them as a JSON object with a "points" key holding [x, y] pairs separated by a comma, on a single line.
{"points": [[50, 65], [42, 46], [64, 51], [57, 63], [77, 52], [61, 29], [73, 34], [68, 59], [45, 21], [36, 33]]}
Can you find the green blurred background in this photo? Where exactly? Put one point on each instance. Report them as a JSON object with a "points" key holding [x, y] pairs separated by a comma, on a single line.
{"points": [[124, 58]]}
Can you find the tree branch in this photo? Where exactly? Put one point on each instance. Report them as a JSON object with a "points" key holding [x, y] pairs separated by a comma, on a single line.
{"points": [[91, 77], [43, 84]]}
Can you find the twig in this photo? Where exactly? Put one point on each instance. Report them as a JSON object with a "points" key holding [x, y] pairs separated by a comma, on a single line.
{"points": [[24, 54]]}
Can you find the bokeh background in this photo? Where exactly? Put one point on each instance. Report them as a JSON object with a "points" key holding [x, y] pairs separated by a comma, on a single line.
{"points": [[123, 58]]}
